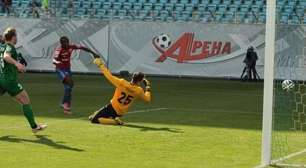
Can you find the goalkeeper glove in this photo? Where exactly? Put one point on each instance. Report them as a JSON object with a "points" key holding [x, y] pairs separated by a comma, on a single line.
{"points": [[118, 121], [98, 62], [96, 56], [147, 84]]}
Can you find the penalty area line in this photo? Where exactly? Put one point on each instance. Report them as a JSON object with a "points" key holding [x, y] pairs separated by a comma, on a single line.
{"points": [[78, 118], [275, 162], [147, 110], [288, 156]]}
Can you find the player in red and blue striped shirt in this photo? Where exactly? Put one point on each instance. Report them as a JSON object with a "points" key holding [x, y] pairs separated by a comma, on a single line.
{"points": [[61, 60]]}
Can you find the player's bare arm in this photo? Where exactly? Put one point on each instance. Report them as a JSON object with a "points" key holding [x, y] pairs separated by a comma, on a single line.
{"points": [[95, 55], [7, 57]]}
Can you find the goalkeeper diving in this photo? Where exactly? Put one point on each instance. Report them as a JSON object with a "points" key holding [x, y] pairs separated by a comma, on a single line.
{"points": [[125, 94]]}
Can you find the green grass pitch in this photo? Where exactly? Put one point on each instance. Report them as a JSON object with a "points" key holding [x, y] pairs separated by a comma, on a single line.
{"points": [[191, 123]]}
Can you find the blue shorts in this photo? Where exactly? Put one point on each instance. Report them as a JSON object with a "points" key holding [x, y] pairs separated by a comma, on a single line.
{"points": [[63, 73]]}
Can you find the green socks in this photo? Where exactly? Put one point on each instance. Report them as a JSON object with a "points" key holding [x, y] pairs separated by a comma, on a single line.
{"points": [[28, 113]]}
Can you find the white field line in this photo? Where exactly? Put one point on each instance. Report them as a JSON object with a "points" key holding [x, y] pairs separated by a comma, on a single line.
{"points": [[150, 110], [289, 156], [275, 162], [291, 165], [147, 110], [78, 118], [216, 111], [261, 166]]}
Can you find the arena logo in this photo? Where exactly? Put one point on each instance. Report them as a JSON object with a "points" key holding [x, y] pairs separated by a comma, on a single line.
{"points": [[188, 50]]}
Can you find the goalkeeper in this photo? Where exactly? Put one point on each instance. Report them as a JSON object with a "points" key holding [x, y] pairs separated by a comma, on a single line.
{"points": [[125, 94]]}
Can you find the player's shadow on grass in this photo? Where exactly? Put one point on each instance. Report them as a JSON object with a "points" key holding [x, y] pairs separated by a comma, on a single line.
{"points": [[41, 139], [146, 128]]}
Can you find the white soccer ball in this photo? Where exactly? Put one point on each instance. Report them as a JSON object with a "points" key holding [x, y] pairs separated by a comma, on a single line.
{"points": [[288, 85], [163, 41]]}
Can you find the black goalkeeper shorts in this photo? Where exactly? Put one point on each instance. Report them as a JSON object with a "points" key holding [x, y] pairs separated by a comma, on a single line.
{"points": [[105, 112]]}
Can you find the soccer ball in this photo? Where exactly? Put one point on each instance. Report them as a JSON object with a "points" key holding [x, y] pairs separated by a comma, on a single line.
{"points": [[287, 85], [163, 41]]}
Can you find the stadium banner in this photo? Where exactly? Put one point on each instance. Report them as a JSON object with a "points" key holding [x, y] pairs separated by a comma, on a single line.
{"points": [[193, 49], [196, 49], [38, 38]]}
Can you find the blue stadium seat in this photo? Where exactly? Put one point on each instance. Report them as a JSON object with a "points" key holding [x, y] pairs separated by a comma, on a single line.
{"points": [[244, 8], [16, 3], [248, 2], [86, 4], [240, 17], [205, 2], [233, 8], [176, 14], [164, 14], [127, 5], [206, 17], [100, 12], [117, 5], [152, 1], [288, 9], [280, 3], [76, 4], [179, 7], [222, 8], [122, 14], [186, 15], [107, 5], [81, 11], [169, 6], [237, 2], [137, 6], [292, 3], [229, 16], [196, 16], [163, 1], [174, 1], [218, 16], [142, 1], [149, 18], [216, 2], [259, 3], [250, 18], [295, 20], [170, 19], [227, 2], [154, 13], [195, 2], [212, 7], [202, 7], [147, 6], [189, 7], [97, 5], [262, 17], [255, 8], [302, 3], [158, 6]]}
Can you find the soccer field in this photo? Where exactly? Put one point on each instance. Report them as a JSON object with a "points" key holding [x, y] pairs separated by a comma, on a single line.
{"points": [[191, 123]]}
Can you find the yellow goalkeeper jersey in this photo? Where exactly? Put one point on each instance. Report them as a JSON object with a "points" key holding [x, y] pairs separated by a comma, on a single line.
{"points": [[126, 92]]}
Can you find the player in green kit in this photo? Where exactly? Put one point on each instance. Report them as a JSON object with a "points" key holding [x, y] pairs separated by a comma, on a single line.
{"points": [[9, 68]]}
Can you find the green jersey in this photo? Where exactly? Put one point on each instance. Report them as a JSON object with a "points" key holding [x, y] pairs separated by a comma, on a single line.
{"points": [[8, 71]]}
